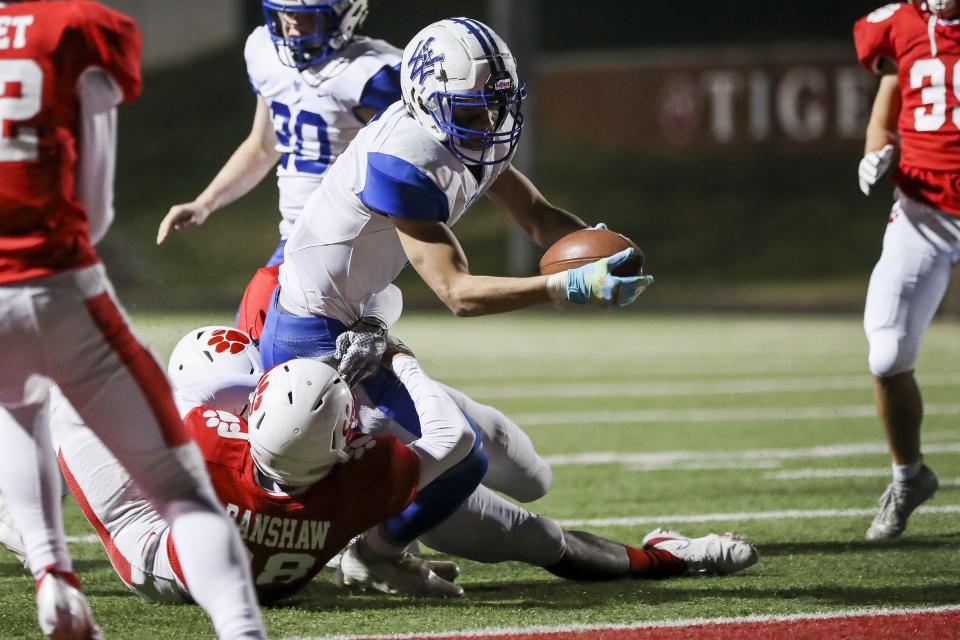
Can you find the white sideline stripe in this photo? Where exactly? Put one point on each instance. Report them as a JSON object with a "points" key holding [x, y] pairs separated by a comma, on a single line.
{"points": [[685, 388], [664, 459], [590, 418], [745, 516], [659, 624]]}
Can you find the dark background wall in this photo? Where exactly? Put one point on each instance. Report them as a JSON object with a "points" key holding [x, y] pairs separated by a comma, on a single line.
{"points": [[750, 224]]}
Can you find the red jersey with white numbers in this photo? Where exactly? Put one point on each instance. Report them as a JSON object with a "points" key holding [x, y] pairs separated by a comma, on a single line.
{"points": [[44, 49], [291, 538], [926, 52]]}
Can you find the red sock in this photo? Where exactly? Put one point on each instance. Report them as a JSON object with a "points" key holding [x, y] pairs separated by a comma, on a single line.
{"points": [[654, 563], [69, 576]]}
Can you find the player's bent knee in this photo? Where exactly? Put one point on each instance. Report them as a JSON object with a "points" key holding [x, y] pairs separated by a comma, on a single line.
{"points": [[890, 354], [535, 485]]}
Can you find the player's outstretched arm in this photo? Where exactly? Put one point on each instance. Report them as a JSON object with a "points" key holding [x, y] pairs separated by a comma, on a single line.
{"points": [[436, 254], [881, 136], [514, 193], [248, 165]]}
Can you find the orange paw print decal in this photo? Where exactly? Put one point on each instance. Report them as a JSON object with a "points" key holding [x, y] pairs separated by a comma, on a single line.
{"points": [[228, 339], [258, 394]]}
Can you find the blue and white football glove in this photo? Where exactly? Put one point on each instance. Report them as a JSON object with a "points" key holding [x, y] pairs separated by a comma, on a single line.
{"points": [[594, 283]]}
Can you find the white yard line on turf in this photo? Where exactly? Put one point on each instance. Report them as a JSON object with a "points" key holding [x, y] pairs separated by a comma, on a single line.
{"points": [[683, 622], [671, 459], [682, 388], [671, 519], [771, 414], [743, 516], [811, 474]]}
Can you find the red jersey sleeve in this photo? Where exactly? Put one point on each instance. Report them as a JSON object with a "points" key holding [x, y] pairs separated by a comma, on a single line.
{"points": [[872, 36], [221, 436], [404, 473], [386, 472], [256, 300], [116, 46]]}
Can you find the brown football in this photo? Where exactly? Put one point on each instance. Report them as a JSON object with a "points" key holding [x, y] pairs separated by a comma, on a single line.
{"points": [[589, 245]]}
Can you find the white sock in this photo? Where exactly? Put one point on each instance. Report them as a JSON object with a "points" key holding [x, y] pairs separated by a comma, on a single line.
{"points": [[905, 472], [216, 570], [30, 481]]}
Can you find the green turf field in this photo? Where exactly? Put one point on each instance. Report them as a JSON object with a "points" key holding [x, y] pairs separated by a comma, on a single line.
{"points": [[759, 419]]}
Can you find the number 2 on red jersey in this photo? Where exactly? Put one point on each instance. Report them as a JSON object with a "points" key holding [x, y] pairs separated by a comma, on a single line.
{"points": [[21, 91]]}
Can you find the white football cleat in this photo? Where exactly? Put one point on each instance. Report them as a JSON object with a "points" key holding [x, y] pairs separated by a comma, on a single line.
{"points": [[709, 555], [405, 574], [10, 538], [899, 501], [62, 610]]}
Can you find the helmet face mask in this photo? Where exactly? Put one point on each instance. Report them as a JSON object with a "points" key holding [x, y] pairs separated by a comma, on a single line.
{"points": [[476, 123], [302, 416], [307, 32], [459, 81]]}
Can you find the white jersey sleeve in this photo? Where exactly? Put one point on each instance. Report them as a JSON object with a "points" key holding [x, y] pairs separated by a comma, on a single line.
{"points": [[345, 247], [99, 96]]}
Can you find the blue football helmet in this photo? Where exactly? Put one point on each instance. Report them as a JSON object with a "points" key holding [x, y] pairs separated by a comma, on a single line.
{"points": [[459, 80], [307, 32]]}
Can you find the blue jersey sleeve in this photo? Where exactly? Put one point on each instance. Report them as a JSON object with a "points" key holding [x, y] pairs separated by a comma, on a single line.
{"points": [[383, 89], [398, 189]]}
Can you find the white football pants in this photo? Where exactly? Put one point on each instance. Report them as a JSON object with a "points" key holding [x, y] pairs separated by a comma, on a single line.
{"points": [[69, 328], [920, 247]]}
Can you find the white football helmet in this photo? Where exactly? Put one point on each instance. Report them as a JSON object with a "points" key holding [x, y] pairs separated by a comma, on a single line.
{"points": [[945, 9], [300, 419], [212, 352], [321, 28], [459, 80]]}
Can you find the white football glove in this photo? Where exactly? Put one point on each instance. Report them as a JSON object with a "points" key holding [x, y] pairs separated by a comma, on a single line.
{"points": [[360, 350], [873, 166]]}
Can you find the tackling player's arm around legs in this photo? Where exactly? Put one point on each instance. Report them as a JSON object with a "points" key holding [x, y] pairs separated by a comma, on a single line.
{"points": [[490, 529]]}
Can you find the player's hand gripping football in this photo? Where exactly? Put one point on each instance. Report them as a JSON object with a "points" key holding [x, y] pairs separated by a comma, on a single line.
{"points": [[360, 350], [595, 283], [872, 167], [181, 216]]}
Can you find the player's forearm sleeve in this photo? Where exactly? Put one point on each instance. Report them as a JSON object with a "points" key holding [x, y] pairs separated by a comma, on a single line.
{"points": [[99, 96], [446, 436]]}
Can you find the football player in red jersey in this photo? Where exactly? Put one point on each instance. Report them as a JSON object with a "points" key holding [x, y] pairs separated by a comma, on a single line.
{"points": [[915, 46], [64, 67], [299, 488], [295, 480]]}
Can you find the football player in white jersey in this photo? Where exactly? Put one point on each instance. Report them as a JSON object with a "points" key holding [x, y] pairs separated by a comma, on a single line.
{"points": [[317, 84], [392, 197]]}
